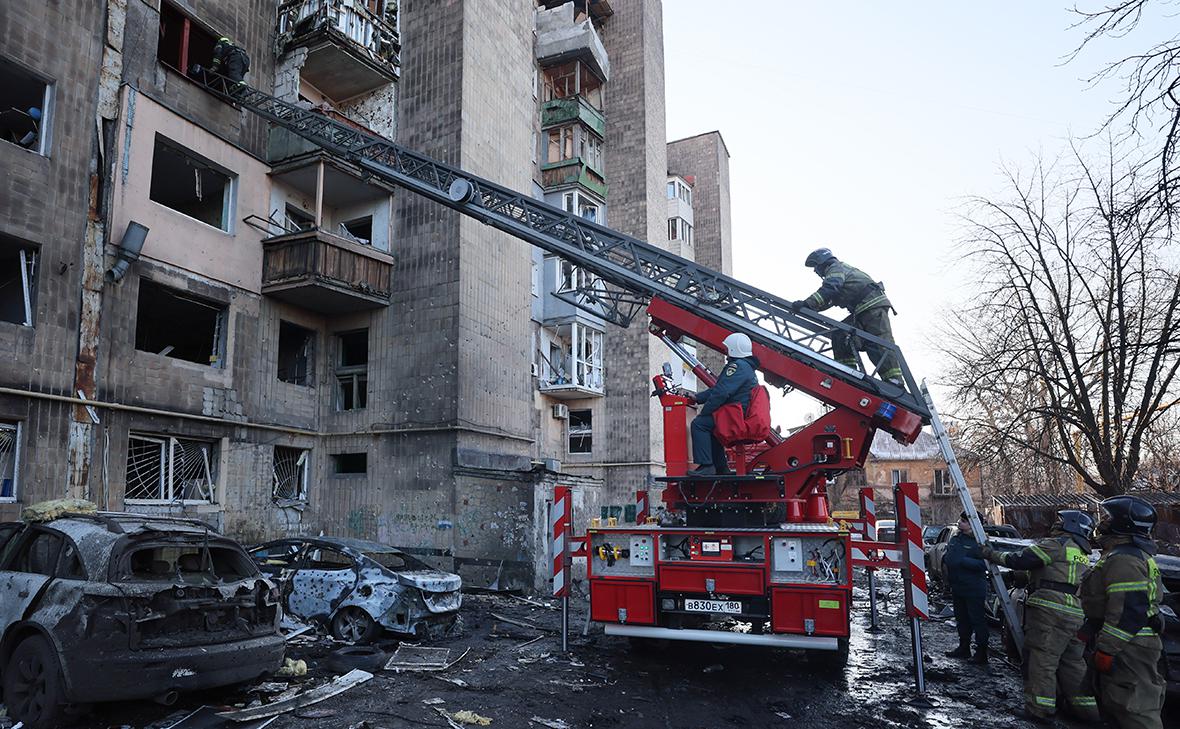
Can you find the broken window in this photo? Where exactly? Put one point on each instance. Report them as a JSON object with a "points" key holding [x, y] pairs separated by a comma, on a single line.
{"points": [[190, 184], [574, 278], [323, 558], [352, 370], [581, 433], [350, 463], [177, 324], [590, 150], [299, 219], [24, 107], [561, 144], [161, 468], [38, 554], [359, 230], [575, 357], [572, 79], [587, 356], [585, 206], [18, 281], [183, 42], [193, 564], [290, 474], [296, 353], [9, 460]]}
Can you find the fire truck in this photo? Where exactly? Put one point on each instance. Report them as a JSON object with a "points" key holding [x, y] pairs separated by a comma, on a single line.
{"points": [[752, 557]]}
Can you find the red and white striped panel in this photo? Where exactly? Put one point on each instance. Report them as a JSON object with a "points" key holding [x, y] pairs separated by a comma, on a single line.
{"points": [[868, 512], [559, 522], [642, 508], [909, 522]]}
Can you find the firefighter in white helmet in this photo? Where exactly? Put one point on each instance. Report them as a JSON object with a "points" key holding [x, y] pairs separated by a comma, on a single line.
{"points": [[737, 379]]}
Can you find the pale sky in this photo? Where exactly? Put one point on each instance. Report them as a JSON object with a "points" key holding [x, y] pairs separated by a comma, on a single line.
{"points": [[861, 126]]}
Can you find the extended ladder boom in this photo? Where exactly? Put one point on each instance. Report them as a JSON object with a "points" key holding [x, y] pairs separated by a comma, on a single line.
{"points": [[633, 272]]}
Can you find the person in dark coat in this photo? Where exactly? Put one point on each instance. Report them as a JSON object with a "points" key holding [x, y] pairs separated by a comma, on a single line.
{"points": [[734, 385], [967, 575]]}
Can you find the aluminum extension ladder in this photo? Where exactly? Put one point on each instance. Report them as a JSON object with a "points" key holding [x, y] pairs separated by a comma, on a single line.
{"points": [[1015, 628]]}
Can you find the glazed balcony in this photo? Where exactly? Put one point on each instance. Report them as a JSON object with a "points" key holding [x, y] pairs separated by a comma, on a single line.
{"points": [[352, 45], [326, 273]]}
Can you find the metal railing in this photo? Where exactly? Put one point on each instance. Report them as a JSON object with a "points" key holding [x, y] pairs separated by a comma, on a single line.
{"points": [[351, 18]]}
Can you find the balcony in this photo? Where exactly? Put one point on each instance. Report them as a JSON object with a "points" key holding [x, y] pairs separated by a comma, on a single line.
{"points": [[572, 109], [325, 273], [570, 172], [352, 50], [571, 358]]}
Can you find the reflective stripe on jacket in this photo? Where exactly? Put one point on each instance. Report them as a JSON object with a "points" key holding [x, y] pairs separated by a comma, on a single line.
{"points": [[1123, 594], [849, 288], [1056, 558]]}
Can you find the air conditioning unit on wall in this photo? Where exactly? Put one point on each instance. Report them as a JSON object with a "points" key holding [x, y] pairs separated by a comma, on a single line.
{"points": [[561, 411]]}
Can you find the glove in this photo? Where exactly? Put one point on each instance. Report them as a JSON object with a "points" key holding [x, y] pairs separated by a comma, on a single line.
{"points": [[797, 305], [990, 554], [1103, 662]]}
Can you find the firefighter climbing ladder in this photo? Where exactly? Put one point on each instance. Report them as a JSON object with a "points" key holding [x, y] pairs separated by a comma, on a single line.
{"points": [[630, 271], [948, 454]]}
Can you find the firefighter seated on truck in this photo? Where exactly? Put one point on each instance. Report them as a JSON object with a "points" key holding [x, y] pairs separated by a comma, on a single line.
{"points": [[734, 385]]}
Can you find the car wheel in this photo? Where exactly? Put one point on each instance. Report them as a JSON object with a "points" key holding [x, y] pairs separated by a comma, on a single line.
{"points": [[33, 685], [354, 625]]}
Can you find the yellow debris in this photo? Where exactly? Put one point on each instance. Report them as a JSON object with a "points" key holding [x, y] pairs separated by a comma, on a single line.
{"points": [[292, 668], [470, 717], [49, 510]]}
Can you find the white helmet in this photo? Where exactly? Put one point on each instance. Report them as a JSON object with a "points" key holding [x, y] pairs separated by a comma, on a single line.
{"points": [[738, 345]]}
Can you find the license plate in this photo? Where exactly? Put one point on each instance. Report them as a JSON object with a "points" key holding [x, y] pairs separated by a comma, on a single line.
{"points": [[713, 606]]}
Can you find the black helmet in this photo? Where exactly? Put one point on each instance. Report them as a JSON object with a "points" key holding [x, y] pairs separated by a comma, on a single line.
{"points": [[819, 257], [1078, 523], [1127, 515]]}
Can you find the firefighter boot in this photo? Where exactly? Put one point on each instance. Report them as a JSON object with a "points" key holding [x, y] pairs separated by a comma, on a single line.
{"points": [[963, 651], [980, 656]]}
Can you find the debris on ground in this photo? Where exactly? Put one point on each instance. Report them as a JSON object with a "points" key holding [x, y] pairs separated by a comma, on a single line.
{"points": [[418, 658], [324, 691], [292, 668], [550, 723], [468, 716], [522, 623]]}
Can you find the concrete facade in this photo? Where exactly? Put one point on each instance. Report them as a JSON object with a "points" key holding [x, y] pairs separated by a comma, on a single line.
{"points": [[453, 447]]}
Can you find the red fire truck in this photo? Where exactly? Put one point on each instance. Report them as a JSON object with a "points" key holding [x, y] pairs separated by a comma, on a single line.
{"points": [[747, 558]]}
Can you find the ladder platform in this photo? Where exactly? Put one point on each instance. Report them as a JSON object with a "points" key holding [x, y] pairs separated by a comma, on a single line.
{"points": [[767, 478]]}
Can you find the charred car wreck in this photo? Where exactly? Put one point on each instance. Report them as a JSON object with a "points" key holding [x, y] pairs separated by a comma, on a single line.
{"points": [[106, 607], [357, 588]]}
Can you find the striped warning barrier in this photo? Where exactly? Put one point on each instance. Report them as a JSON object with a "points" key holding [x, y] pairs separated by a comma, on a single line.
{"points": [[909, 539], [642, 509], [868, 510], [559, 522]]}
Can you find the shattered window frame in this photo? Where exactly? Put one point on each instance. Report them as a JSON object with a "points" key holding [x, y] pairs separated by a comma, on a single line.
{"points": [[582, 434], [289, 468], [23, 276], [205, 171], [288, 359], [148, 324], [180, 464], [42, 128], [352, 379], [10, 451]]}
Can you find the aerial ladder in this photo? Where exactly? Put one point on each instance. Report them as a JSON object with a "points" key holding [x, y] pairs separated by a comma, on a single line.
{"points": [[758, 545]]}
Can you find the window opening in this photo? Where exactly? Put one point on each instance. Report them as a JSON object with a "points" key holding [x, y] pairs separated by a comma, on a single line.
{"points": [[671, 190], [359, 230], [170, 469], [352, 370], [69, 564], [561, 144], [322, 558], [296, 354], [18, 281], [900, 475], [175, 324], [350, 463], [183, 42], [38, 555], [24, 108], [587, 344], [9, 460], [942, 482], [290, 474], [572, 79], [190, 185], [299, 219], [673, 228], [581, 431]]}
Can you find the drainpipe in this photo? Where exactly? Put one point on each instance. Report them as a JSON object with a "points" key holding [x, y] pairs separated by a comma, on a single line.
{"points": [[129, 249]]}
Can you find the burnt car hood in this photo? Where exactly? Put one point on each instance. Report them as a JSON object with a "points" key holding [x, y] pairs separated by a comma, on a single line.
{"points": [[430, 580]]}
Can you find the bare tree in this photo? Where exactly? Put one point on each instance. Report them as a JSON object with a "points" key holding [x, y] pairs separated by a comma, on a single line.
{"points": [[1067, 356], [1148, 103]]}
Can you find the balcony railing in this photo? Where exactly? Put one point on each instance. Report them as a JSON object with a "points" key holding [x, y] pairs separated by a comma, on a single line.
{"points": [[557, 112], [352, 50], [325, 273], [572, 172]]}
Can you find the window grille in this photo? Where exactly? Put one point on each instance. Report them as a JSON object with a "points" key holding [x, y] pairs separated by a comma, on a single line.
{"points": [[290, 474], [170, 469]]}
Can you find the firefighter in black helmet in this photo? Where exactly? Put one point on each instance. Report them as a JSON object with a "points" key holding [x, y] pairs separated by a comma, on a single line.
{"points": [[1053, 616], [1121, 600], [230, 60], [856, 291]]}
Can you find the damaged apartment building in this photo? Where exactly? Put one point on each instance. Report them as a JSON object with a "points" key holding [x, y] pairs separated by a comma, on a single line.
{"points": [[212, 317]]}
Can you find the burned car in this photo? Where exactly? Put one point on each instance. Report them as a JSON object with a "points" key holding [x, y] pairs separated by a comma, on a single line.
{"points": [[357, 588], [110, 606]]}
